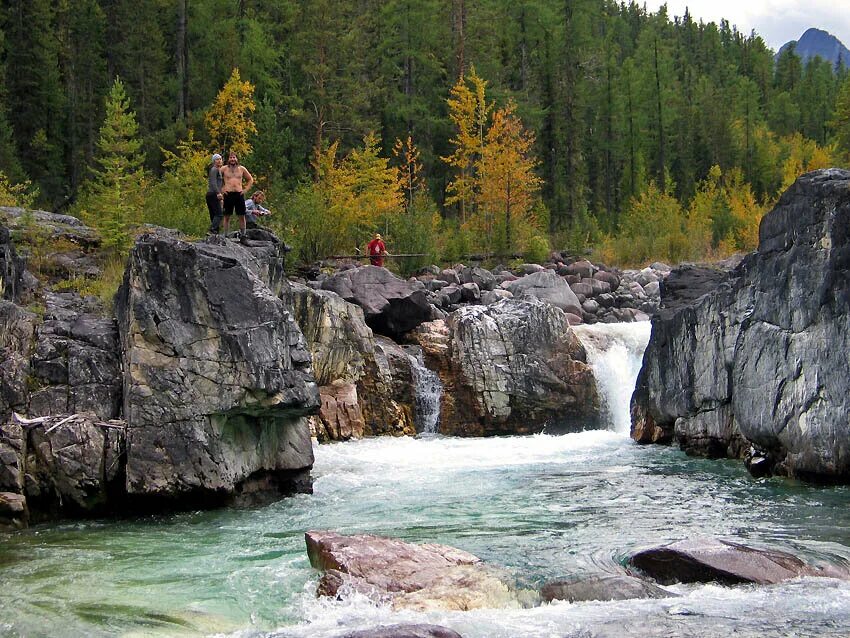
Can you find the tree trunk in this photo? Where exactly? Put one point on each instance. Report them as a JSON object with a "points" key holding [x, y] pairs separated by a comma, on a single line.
{"points": [[459, 32], [662, 177], [182, 58]]}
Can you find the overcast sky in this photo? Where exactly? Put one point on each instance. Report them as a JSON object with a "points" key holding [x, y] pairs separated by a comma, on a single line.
{"points": [[777, 21]]}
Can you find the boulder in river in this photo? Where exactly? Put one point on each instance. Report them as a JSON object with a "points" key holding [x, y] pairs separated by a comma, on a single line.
{"points": [[514, 367], [604, 587], [404, 631], [705, 560], [409, 576]]}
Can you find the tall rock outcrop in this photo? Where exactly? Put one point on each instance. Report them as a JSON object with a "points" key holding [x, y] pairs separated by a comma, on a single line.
{"points": [[365, 381], [758, 364], [514, 367], [217, 376]]}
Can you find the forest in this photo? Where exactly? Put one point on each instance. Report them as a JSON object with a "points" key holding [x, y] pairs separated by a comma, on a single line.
{"points": [[451, 126]]}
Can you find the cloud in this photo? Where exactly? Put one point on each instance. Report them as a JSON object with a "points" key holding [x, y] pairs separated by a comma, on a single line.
{"points": [[777, 21]]}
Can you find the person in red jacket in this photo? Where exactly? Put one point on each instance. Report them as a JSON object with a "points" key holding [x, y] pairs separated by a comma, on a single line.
{"points": [[377, 250]]}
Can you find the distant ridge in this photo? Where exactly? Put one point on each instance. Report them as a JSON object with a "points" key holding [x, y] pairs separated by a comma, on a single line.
{"points": [[819, 42]]}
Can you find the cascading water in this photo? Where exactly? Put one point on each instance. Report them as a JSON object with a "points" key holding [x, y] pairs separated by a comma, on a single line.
{"points": [[615, 353], [428, 392], [542, 507]]}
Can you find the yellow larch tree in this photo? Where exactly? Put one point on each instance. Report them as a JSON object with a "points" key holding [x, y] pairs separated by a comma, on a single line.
{"points": [[469, 111], [361, 192], [230, 118], [410, 174], [507, 185]]}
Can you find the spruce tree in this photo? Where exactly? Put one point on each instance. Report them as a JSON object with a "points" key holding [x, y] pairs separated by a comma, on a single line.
{"points": [[113, 197]]}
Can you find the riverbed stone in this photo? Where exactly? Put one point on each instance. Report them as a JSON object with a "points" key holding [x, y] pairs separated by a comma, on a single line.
{"points": [[603, 587], [547, 286], [404, 631], [420, 577], [705, 560]]}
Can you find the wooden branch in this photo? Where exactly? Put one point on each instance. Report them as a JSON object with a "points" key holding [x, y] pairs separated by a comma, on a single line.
{"points": [[384, 256]]}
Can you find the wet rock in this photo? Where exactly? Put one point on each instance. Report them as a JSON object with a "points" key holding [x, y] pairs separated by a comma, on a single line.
{"points": [[605, 587], [217, 376], [547, 286], [712, 560], [73, 463], [391, 305], [511, 368], [13, 512], [420, 577], [359, 383], [340, 416], [747, 345], [404, 631]]}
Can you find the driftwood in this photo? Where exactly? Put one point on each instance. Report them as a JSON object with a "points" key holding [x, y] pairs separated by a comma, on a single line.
{"points": [[115, 424]]}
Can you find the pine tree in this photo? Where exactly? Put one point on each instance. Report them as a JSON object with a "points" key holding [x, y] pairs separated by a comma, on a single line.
{"points": [[34, 88], [113, 197], [841, 120]]}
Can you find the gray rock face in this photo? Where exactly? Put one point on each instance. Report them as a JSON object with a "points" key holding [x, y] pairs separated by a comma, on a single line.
{"points": [[712, 560], [217, 376], [365, 385], [75, 366], [744, 363], [391, 305], [66, 465], [11, 267], [513, 367], [549, 287]]}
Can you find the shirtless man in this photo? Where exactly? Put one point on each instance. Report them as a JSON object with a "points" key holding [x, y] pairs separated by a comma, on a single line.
{"points": [[237, 182]]}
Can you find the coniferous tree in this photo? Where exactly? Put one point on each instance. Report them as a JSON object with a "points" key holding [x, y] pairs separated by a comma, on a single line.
{"points": [[113, 198], [34, 87]]}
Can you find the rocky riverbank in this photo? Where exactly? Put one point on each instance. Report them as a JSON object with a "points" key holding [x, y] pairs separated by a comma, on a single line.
{"points": [[206, 383]]}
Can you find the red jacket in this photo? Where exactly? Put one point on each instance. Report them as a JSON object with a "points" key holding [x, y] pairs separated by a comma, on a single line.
{"points": [[376, 249]]}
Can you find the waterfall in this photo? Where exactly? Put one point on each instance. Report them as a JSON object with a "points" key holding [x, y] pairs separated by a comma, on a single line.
{"points": [[615, 353], [428, 391]]}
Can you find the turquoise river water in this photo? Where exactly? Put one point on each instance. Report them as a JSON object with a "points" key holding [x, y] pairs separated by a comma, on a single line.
{"points": [[544, 507]]}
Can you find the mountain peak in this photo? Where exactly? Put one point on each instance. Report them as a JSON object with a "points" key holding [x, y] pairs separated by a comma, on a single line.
{"points": [[818, 42]]}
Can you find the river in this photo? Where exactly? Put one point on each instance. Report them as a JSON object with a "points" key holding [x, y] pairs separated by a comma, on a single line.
{"points": [[544, 507]]}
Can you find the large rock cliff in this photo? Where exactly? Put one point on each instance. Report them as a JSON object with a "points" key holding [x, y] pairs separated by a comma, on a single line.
{"points": [[199, 394], [757, 366], [217, 376]]}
